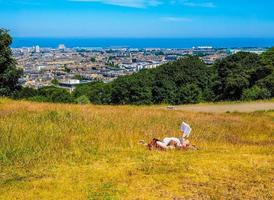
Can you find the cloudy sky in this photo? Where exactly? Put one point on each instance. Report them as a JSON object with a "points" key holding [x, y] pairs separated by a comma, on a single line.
{"points": [[138, 18]]}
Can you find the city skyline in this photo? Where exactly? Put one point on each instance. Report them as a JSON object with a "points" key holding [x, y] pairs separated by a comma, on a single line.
{"points": [[138, 18]]}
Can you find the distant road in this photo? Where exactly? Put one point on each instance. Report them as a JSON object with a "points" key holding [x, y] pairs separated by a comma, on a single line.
{"points": [[222, 108]]}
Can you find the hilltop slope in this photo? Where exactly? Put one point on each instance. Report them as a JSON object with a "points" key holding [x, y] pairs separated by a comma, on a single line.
{"points": [[54, 151]]}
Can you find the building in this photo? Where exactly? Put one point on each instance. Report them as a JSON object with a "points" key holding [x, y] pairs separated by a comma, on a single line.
{"points": [[203, 50], [37, 49], [71, 84], [61, 47]]}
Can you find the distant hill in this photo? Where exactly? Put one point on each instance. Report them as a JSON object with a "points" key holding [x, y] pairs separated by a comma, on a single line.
{"points": [[242, 76], [184, 81]]}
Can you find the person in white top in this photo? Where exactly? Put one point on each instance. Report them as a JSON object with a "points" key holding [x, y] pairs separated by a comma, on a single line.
{"points": [[173, 142]]}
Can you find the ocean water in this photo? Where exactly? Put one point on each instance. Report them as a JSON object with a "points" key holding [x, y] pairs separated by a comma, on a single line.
{"points": [[144, 42]]}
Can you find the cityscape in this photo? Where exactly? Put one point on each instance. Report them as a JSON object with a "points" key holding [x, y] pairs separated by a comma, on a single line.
{"points": [[67, 67]]}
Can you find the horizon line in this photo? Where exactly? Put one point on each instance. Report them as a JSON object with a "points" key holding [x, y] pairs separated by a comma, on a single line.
{"points": [[92, 37]]}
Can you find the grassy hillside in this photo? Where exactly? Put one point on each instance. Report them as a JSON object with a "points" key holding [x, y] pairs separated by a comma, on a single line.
{"points": [[52, 151]]}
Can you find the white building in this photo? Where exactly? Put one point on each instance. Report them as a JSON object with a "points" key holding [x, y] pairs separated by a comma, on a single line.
{"points": [[37, 49], [61, 47]]}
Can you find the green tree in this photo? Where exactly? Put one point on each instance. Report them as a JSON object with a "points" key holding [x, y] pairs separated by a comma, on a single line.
{"points": [[92, 59], [9, 74], [66, 69], [98, 92], [164, 91], [169, 78], [268, 83], [235, 74], [256, 93], [268, 57], [189, 93], [82, 100], [78, 77], [56, 95], [82, 89], [120, 92], [38, 99], [134, 89], [25, 93], [55, 82], [267, 71], [140, 88]]}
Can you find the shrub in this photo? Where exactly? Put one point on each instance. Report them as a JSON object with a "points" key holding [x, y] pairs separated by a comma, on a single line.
{"points": [[56, 95], [267, 82], [25, 92], [189, 93], [235, 74], [82, 100], [38, 99], [256, 93]]}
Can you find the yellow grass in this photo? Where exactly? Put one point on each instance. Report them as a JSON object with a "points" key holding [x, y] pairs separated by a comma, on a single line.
{"points": [[54, 151]]}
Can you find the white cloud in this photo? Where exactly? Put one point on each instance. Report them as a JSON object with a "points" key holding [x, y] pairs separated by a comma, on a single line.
{"points": [[125, 3], [148, 3], [200, 4], [176, 19]]}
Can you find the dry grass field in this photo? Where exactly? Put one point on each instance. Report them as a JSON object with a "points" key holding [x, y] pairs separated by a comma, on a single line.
{"points": [[55, 151]]}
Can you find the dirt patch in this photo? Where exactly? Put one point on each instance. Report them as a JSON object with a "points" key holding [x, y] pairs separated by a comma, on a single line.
{"points": [[222, 108]]}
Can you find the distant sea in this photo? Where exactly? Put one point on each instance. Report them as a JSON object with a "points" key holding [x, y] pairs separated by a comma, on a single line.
{"points": [[144, 42]]}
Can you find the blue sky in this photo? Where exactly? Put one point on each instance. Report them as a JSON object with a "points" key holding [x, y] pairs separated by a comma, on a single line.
{"points": [[138, 18]]}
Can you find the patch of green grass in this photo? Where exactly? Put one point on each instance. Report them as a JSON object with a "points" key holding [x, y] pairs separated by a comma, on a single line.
{"points": [[106, 191]]}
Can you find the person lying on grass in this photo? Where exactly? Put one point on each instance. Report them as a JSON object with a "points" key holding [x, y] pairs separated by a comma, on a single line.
{"points": [[172, 142], [169, 143]]}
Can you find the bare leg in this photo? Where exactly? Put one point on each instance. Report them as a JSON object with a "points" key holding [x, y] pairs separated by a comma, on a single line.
{"points": [[164, 146]]}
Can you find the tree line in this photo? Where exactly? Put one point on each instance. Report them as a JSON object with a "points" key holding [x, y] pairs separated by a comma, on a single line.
{"points": [[241, 76]]}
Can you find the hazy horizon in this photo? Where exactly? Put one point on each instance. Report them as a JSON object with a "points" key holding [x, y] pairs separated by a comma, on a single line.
{"points": [[143, 42], [109, 37]]}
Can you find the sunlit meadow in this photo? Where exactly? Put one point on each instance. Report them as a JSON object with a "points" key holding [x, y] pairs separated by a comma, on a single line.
{"points": [[55, 151]]}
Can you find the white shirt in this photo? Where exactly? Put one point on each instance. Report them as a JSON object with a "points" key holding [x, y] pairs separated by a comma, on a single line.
{"points": [[167, 140]]}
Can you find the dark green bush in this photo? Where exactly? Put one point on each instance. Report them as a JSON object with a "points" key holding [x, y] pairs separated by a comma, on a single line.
{"points": [[267, 82], [38, 98], [82, 100], [189, 93], [56, 95], [256, 93], [25, 92]]}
